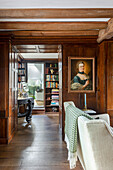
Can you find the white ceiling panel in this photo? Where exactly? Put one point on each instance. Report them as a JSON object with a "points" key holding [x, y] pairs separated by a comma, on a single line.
{"points": [[40, 56]]}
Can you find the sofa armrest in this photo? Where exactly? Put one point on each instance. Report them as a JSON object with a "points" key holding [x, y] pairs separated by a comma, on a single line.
{"points": [[96, 141], [103, 117]]}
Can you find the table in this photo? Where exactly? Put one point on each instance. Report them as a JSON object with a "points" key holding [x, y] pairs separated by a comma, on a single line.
{"points": [[30, 104], [90, 111]]}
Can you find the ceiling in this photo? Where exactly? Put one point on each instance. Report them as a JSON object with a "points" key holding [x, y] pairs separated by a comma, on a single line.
{"points": [[48, 18], [37, 48], [56, 4], [38, 51]]}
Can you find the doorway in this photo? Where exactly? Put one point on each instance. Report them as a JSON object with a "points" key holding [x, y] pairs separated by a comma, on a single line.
{"points": [[38, 59]]}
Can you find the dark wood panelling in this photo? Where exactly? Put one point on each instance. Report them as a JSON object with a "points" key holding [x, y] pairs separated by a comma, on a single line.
{"points": [[4, 95], [3, 128], [4, 78], [101, 79], [110, 81], [83, 50], [2, 113], [8, 93], [79, 47], [77, 51], [110, 76], [105, 79]]}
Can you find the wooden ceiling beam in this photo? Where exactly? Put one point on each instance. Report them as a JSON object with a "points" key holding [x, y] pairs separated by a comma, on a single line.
{"points": [[52, 26], [106, 33], [57, 13], [50, 33]]}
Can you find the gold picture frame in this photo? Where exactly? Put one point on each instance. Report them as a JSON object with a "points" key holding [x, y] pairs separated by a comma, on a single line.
{"points": [[81, 74]]}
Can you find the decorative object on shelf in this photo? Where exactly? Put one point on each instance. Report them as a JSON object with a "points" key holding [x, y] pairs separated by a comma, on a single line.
{"points": [[22, 73], [81, 74], [23, 91], [54, 109], [52, 71]]}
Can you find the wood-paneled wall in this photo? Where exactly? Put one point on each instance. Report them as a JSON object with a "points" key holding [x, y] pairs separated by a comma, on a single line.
{"points": [[105, 79], [4, 62], [8, 95], [88, 50], [109, 74], [102, 78], [79, 50], [101, 100]]}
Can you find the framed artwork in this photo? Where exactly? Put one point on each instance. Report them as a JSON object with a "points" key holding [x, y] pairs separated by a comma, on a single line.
{"points": [[81, 74]]}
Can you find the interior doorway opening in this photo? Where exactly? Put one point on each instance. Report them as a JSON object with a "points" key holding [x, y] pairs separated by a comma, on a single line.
{"points": [[40, 77]]}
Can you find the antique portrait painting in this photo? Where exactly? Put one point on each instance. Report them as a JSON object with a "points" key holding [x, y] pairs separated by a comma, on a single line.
{"points": [[81, 74]]}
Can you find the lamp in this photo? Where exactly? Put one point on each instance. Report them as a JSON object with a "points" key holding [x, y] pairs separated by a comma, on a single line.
{"points": [[38, 82], [85, 102]]}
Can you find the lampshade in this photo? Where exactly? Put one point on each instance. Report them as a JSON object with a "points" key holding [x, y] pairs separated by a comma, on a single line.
{"points": [[38, 82]]}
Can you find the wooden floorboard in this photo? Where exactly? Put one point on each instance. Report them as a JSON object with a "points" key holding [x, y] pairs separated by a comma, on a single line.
{"points": [[37, 146]]}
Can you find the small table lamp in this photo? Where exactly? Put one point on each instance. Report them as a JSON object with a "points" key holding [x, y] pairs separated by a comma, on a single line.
{"points": [[85, 102]]}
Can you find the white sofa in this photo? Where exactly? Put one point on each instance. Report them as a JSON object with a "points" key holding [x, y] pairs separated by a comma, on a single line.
{"points": [[95, 143]]}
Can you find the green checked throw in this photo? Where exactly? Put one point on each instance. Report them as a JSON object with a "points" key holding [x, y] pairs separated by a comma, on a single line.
{"points": [[71, 123]]}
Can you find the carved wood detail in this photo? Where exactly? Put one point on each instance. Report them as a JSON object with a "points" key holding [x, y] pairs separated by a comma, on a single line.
{"points": [[106, 33]]}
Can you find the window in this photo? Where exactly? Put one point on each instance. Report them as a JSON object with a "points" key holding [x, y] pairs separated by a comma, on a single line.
{"points": [[36, 83]]}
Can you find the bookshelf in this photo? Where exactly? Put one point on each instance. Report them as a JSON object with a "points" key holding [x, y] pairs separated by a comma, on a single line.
{"points": [[51, 88], [22, 73]]}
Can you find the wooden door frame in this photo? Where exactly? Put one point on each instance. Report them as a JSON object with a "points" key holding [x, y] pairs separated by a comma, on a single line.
{"points": [[49, 40], [39, 40]]}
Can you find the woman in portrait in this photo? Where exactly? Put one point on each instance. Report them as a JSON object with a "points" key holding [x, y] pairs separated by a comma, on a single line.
{"points": [[81, 81]]}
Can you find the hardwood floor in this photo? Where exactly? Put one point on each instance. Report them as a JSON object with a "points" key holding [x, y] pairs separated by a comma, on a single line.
{"points": [[37, 146]]}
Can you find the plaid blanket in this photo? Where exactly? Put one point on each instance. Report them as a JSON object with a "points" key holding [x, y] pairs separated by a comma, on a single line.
{"points": [[71, 123]]}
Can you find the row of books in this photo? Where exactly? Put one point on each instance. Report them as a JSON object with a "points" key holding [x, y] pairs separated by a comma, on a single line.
{"points": [[54, 97], [54, 102], [21, 79], [52, 65], [51, 77], [20, 86], [22, 65], [52, 84], [21, 72], [55, 91], [51, 71]]}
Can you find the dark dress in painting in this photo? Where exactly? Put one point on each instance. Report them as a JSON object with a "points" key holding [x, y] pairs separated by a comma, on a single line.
{"points": [[79, 80]]}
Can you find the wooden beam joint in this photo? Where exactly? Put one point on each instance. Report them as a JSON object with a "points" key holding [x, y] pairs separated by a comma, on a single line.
{"points": [[106, 33]]}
